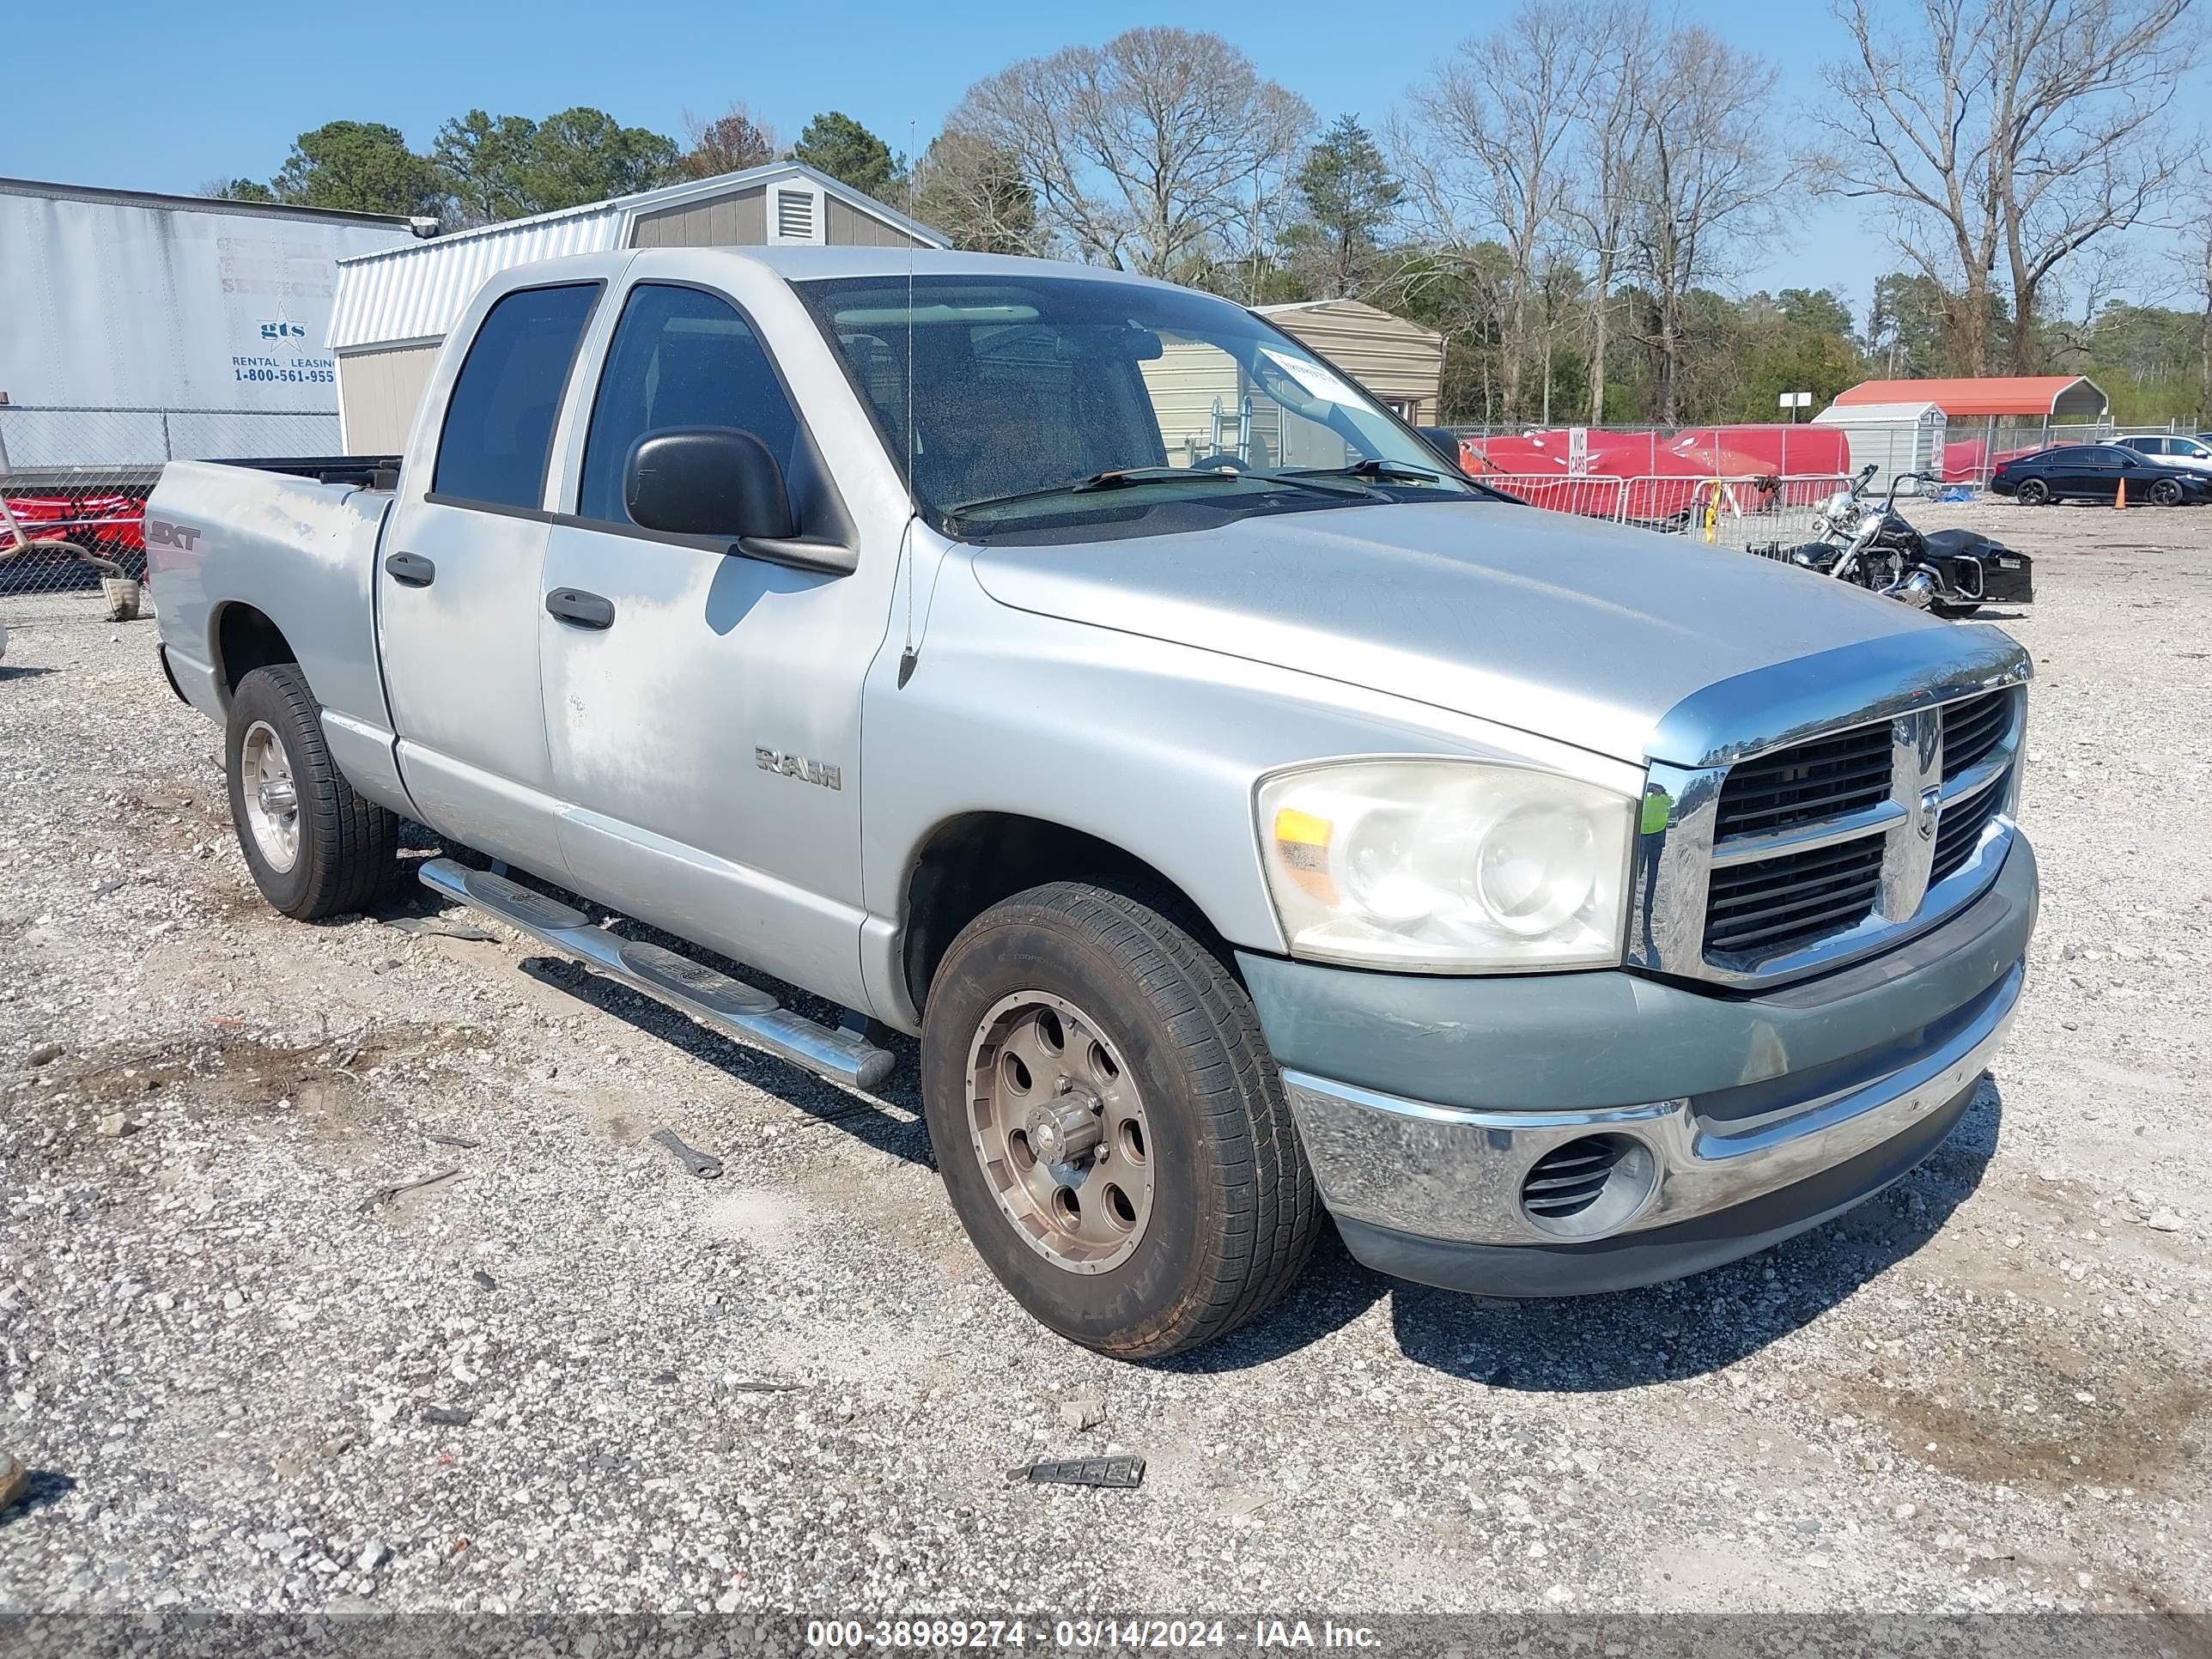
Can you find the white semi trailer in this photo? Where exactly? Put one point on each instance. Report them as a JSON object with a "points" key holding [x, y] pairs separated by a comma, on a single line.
{"points": [[138, 328]]}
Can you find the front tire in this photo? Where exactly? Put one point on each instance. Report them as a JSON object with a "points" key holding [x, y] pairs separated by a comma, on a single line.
{"points": [[315, 849], [1111, 1127], [2166, 492]]}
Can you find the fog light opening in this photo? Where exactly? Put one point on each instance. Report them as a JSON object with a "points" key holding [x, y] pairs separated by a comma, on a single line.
{"points": [[1589, 1186]]}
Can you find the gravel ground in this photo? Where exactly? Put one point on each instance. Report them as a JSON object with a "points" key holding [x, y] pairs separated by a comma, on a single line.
{"points": [[250, 1367]]}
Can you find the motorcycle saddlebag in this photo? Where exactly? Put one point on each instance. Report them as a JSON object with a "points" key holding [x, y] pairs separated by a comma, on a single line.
{"points": [[2008, 578], [1976, 568]]}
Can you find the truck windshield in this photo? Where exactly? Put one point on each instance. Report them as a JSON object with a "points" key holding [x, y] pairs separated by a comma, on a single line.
{"points": [[1014, 401]]}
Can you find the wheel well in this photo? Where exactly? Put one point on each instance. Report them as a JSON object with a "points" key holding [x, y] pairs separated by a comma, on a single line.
{"points": [[971, 863], [245, 639]]}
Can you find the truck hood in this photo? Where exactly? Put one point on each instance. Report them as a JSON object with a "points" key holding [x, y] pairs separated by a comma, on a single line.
{"points": [[1573, 629]]}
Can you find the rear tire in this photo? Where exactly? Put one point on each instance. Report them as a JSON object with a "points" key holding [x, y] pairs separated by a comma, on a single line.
{"points": [[2034, 492], [315, 848], [1215, 1210]]}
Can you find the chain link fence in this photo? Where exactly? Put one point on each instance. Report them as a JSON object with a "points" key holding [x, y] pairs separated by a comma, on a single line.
{"points": [[74, 481]]}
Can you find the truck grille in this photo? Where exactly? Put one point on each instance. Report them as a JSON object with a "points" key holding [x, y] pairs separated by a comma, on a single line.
{"points": [[1972, 728], [1960, 830], [1855, 794], [1779, 904], [1825, 779]]}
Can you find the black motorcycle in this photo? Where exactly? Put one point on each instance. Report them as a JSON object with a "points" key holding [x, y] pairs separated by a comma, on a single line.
{"points": [[1952, 573]]}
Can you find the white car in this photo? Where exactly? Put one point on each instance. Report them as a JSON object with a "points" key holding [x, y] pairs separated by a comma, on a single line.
{"points": [[2175, 449]]}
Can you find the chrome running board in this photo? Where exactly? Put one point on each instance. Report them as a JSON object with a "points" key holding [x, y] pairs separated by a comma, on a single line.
{"points": [[714, 999]]}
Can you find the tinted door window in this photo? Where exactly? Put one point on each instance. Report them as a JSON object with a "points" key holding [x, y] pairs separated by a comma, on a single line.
{"points": [[680, 357], [499, 422], [2150, 445]]}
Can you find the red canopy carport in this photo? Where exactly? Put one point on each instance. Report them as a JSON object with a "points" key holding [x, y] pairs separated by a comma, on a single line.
{"points": [[2028, 403], [2048, 397]]}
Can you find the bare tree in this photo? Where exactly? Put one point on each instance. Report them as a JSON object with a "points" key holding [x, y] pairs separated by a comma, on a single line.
{"points": [[731, 142], [2017, 130], [1606, 166], [1488, 152], [1147, 152], [2191, 256], [973, 190], [1708, 178]]}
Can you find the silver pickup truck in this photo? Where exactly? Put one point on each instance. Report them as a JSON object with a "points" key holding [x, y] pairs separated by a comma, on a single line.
{"points": [[1252, 816]]}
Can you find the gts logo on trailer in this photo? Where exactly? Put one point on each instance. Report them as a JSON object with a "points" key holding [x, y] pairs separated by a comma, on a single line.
{"points": [[798, 766], [162, 534]]}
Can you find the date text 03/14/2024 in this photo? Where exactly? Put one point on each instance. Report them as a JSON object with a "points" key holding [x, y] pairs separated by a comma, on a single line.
{"points": [[1085, 1634]]}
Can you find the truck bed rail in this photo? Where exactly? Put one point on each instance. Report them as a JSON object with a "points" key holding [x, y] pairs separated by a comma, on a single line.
{"points": [[364, 471]]}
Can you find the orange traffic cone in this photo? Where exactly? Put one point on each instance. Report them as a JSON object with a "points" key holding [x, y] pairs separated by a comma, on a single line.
{"points": [[2120, 495]]}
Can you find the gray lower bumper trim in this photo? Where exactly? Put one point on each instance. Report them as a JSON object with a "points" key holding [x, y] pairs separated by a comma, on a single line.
{"points": [[1450, 1174], [1630, 1260]]}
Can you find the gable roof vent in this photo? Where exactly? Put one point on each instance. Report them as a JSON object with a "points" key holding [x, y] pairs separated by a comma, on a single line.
{"points": [[795, 213]]}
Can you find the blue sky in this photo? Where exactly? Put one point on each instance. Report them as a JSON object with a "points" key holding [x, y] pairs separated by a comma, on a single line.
{"points": [[166, 96]]}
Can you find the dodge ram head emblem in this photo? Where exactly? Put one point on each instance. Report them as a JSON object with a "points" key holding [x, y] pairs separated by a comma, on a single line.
{"points": [[1931, 808]]}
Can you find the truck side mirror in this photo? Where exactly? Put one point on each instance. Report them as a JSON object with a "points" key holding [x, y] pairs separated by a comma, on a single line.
{"points": [[707, 481], [1445, 442]]}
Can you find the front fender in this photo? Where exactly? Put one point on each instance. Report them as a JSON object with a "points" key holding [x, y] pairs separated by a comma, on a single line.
{"points": [[1153, 747]]}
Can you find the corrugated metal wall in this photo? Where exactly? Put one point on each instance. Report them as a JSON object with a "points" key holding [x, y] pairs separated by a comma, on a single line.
{"points": [[417, 293]]}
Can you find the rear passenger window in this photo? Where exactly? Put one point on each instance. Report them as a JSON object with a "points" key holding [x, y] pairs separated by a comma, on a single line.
{"points": [[499, 422], [680, 357]]}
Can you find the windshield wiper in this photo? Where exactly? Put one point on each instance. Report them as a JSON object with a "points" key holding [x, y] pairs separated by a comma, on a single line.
{"points": [[1122, 477], [1117, 478], [1377, 467]]}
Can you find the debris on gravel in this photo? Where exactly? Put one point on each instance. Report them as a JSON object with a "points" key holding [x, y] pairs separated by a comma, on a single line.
{"points": [[1084, 1411], [14, 1481]]}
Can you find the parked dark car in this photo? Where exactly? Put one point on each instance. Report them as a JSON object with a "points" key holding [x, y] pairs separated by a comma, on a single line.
{"points": [[2094, 472]]}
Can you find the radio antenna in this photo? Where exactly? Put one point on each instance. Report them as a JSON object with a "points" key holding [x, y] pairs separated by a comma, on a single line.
{"points": [[912, 651]]}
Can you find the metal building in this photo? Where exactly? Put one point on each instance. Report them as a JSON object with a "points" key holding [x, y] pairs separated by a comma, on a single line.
{"points": [[1400, 364], [395, 307], [1902, 437]]}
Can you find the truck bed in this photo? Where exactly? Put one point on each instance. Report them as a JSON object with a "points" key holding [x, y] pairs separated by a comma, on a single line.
{"points": [[268, 555]]}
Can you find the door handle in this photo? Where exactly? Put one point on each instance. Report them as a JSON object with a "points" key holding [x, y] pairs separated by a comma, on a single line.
{"points": [[411, 569], [572, 604]]}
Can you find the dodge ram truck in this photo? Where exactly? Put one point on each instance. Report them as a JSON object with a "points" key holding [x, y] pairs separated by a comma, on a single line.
{"points": [[1259, 822]]}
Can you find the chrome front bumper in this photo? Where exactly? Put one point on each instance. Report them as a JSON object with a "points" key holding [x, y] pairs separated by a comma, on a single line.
{"points": [[1449, 1176]]}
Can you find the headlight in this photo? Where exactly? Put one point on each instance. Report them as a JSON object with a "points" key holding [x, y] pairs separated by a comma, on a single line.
{"points": [[1446, 866]]}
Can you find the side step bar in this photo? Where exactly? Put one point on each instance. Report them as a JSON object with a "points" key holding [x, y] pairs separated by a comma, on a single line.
{"points": [[729, 1005]]}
